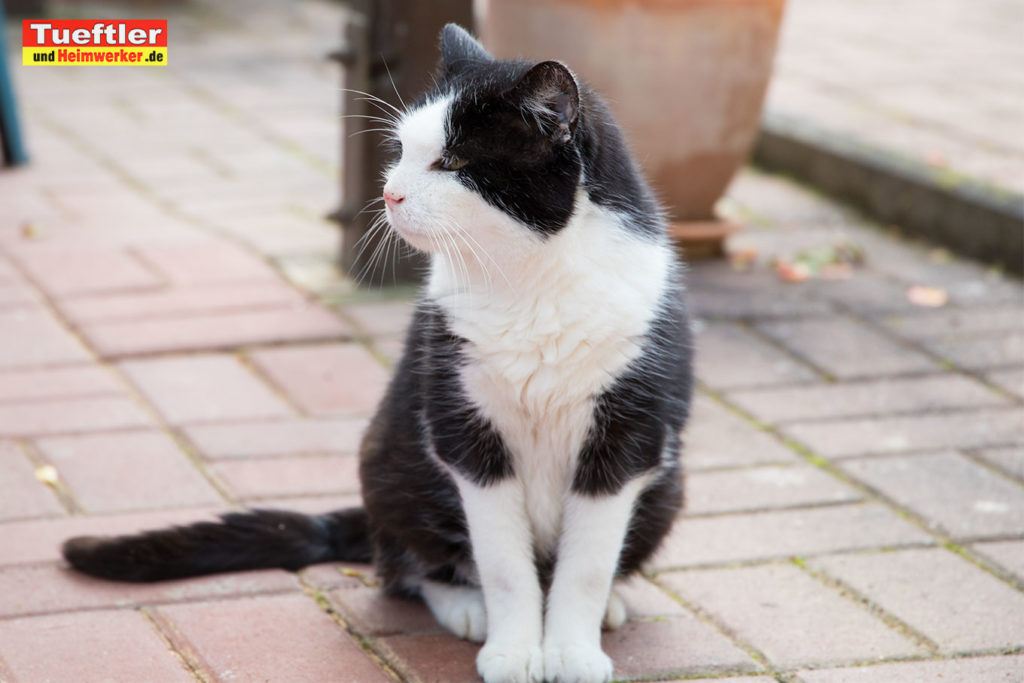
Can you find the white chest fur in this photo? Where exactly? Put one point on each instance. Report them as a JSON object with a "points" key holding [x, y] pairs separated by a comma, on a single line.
{"points": [[546, 341]]}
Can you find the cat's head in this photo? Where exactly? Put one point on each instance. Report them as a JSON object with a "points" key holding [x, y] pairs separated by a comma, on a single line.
{"points": [[489, 159]]}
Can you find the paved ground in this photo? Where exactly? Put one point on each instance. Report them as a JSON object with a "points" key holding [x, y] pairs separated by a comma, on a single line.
{"points": [[936, 81], [174, 344]]}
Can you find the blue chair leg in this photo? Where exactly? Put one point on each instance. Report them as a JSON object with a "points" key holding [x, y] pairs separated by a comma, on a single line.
{"points": [[10, 133]]}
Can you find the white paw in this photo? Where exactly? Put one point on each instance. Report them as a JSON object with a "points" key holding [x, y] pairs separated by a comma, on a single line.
{"points": [[460, 609], [614, 613], [576, 662], [510, 663]]}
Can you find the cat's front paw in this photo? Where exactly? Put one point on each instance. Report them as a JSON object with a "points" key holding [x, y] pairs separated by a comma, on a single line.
{"points": [[510, 663], [576, 662]]}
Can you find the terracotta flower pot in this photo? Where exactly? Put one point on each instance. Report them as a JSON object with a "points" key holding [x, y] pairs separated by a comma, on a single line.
{"points": [[685, 79]]}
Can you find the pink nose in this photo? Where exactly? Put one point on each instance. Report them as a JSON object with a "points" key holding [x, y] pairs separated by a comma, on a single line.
{"points": [[392, 198]]}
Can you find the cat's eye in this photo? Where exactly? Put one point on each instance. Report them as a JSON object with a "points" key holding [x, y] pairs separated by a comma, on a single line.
{"points": [[450, 163]]}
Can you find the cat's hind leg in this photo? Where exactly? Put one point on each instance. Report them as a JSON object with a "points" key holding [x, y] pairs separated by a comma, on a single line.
{"points": [[460, 609]]}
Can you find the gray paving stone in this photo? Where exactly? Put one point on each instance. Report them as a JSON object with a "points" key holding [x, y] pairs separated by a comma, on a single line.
{"points": [[716, 290], [1010, 460], [947, 489], [791, 617], [759, 488], [846, 349], [729, 356], [1007, 554], [701, 541], [716, 437], [862, 398], [946, 323], [968, 429], [967, 283], [1004, 669], [941, 595], [865, 292], [1012, 380], [978, 353]]}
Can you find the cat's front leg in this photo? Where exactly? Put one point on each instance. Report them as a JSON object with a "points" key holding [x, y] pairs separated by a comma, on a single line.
{"points": [[503, 551], [593, 530]]}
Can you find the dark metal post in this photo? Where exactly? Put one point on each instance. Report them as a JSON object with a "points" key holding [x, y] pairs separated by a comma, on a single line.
{"points": [[391, 52]]}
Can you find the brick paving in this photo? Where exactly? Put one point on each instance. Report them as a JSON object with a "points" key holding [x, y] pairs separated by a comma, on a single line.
{"points": [[176, 343]]}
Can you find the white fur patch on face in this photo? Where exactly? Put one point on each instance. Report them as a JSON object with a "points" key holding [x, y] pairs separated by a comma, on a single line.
{"points": [[437, 213], [422, 134]]}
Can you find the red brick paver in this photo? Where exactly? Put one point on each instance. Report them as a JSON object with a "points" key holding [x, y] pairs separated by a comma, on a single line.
{"points": [[298, 436], [64, 590], [431, 658], [50, 343], [671, 647], [277, 477], [133, 470], [218, 330], [373, 614], [63, 416], [212, 263], [326, 380], [204, 388], [121, 647], [24, 495], [180, 302], [60, 382], [64, 272], [274, 638]]}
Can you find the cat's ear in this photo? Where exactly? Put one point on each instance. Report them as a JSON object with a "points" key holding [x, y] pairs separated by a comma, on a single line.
{"points": [[458, 48], [550, 92]]}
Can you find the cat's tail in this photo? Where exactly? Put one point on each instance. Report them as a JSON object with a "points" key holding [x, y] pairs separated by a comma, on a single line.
{"points": [[259, 539]]}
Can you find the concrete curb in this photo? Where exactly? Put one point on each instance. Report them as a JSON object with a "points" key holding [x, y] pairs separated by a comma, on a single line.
{"points": [[969, 217]]}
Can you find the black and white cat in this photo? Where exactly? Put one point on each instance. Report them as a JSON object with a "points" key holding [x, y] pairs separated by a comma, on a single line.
{"points": [[527, 451]]}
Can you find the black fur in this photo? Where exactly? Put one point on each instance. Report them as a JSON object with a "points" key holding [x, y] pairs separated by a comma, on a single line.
{"points": [[638, 419], [532, 136], [515, 163], [452, 419], [260, 539]]}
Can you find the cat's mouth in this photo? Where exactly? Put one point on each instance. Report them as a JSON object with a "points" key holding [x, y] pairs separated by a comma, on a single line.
{"points": [[413, 232]]}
